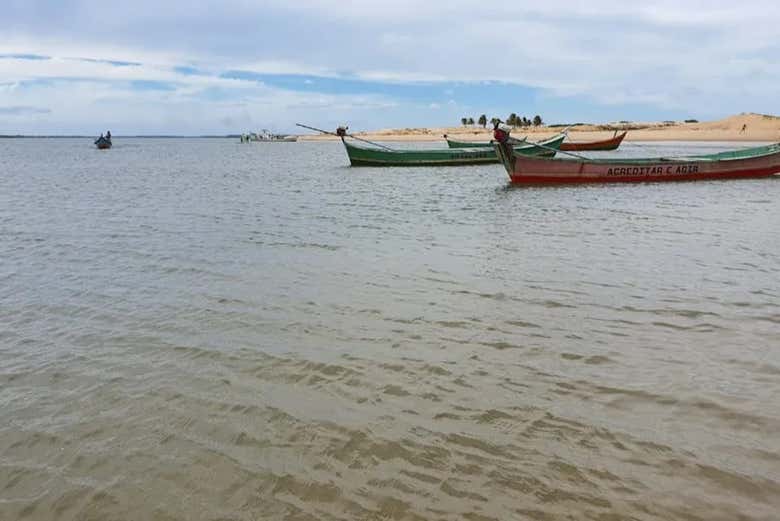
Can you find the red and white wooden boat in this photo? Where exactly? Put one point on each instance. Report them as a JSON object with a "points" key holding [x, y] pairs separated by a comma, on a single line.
{"points": [[761, 161], [605, 144]]}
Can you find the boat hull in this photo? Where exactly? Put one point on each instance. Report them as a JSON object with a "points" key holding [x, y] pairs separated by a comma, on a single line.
{"points": [[365, 156], [751, 163], [103, 143], [361, 157], [606, 144]]}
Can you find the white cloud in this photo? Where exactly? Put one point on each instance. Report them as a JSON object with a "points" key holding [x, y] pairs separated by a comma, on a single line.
{"points": [[399, 77], [94, 94], [707, 57]]}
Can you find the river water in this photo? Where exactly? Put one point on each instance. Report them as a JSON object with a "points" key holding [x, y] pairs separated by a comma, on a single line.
{"points": [[195, 329]]}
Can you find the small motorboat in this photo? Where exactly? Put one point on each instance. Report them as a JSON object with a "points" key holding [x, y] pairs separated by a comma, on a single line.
{"points": [[103, 143]]}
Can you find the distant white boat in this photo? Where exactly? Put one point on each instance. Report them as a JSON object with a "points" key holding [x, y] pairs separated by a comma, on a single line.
{"points": [[266, 135]]}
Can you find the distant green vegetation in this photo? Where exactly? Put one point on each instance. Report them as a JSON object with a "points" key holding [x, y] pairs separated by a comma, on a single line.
{"points": [[691, 120], [513, 120]]}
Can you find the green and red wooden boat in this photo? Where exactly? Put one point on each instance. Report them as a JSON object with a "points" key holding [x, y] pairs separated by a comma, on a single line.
{"points": [[761, 161], [360, 155], [606, 144]]}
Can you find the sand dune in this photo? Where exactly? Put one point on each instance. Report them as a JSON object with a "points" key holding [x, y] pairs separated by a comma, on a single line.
{"points": [[757, 127]]}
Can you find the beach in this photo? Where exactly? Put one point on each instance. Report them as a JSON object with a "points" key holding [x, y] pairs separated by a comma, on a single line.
{"points": [[757, 128]]}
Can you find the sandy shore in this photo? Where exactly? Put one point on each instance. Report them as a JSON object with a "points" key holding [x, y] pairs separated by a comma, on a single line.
{"points": [[757, 127]]}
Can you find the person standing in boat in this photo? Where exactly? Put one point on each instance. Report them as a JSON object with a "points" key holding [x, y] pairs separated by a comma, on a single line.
{"points": [[500, 132], [108, 135]]}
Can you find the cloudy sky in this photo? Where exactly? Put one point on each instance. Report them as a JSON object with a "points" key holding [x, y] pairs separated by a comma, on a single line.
{"points": [[225, 66]]}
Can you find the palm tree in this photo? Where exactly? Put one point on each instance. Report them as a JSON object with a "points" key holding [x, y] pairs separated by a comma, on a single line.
{"points": [[538, 120], [464, 121], [483, 120], [512, 120], [471, 121]]}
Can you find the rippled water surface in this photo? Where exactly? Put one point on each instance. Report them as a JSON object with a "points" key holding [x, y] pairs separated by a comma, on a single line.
{"points": [[203, 330]]}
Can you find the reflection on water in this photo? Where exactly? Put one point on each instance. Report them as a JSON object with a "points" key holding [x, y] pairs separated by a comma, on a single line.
{"points": [[198, 329]]}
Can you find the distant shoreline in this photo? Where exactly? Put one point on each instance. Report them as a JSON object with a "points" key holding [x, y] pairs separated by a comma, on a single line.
{"points": [[747, 127], [740, 128], [22, 136]]}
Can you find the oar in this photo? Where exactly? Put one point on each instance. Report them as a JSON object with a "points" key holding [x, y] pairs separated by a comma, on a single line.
{"points": [[350, 135]]}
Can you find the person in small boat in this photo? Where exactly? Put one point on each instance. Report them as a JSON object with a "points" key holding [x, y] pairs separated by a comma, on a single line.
{"points": [[108, 135]]}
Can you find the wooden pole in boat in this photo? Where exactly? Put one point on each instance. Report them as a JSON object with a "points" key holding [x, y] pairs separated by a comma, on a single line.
{"points": [[558, 151], [350, 135]]}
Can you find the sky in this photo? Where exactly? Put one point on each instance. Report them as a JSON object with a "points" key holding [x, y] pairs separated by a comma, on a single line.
{"points": [[230, 66]]}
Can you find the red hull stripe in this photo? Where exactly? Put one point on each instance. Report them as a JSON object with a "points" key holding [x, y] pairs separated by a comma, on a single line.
{"points": [[560, 179]]}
